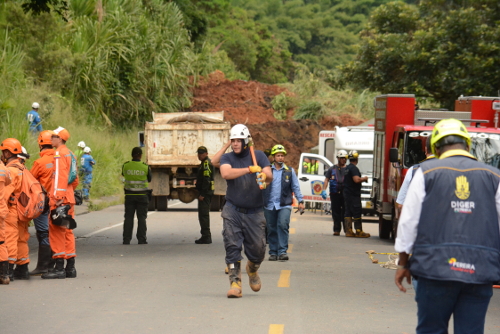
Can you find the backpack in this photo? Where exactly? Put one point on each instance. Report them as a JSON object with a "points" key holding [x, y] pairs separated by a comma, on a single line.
{"points": [[31, 198], [73, 170]]}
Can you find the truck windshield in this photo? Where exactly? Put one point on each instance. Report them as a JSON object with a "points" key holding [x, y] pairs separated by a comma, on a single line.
{"points": [[485, 147]]}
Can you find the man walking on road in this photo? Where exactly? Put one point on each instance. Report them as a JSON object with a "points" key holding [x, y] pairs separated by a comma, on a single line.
{"points": [[137, 174], [450, 225], [352, 198], [334, 179], [205, 187], [243, 217], [278, 198]]}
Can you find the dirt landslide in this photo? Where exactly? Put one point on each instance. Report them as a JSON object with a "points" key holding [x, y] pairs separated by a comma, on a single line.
{"points": [[249, 102]]}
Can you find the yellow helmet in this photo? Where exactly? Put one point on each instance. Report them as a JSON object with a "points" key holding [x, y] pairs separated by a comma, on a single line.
{"points": [[448, 127], [278, 149], [353, 155]]}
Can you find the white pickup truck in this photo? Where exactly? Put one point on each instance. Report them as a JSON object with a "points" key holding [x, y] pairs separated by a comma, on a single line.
{"points": [[171, 142]]}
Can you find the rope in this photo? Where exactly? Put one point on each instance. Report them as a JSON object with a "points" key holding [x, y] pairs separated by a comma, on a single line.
{"points": [[392, 262]]}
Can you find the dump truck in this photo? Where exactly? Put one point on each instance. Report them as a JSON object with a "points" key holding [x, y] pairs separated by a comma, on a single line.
{"points": [[401, 131], [171, 141]]}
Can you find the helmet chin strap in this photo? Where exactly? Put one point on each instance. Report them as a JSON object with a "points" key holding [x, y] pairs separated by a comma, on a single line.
{"points": [[281, 163]]}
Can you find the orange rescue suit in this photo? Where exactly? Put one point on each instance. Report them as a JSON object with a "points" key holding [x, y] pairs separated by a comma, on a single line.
{"points": [[43, 168], [62, 239], [4, 181], [17, 235]]}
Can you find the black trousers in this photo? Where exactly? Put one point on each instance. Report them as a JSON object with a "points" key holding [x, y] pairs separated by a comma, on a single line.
{"points": [[353, 209], [338, 209], [204, 216], [135, 204]]}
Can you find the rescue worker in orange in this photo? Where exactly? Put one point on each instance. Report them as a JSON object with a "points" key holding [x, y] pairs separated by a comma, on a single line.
{"points": [[61, 238], [42, 170], [4, 257], [16, 230]]}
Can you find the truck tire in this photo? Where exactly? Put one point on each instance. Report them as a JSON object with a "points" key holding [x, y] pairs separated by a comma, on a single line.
{"points": [[217, 203], [161, 203], [152, 204], [384, 227]]}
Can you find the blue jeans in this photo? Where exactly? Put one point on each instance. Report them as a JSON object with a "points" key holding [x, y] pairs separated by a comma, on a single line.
{"points": [[42, 229], [278, 223], [438, 300]]}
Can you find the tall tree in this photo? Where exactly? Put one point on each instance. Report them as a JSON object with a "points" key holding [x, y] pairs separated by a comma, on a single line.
{"points": [[438, 48]]}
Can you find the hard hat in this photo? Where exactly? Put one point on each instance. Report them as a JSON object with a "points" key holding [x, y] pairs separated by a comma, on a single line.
{"points": [[353, 154], [239, 131], [35, 105], [448, 127], [81, 144], [87, 150], [12, 145], [267, 152], [44, 137], [24, 155], [62, 133], [342, 154], [61, 217], [278, 149]]}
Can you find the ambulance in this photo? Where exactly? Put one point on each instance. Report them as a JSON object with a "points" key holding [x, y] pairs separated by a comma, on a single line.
{"points": [[359, 138]]}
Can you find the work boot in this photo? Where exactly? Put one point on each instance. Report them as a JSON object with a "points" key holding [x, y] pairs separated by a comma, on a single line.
{"points": [[11, 272], [253, 276], [4, 272], [70, 268], [234, 280], [44, 257], [273, 257], [283, 257], [58, 271], [361, 234], [203, 240], [22, 272], [226, 271], [348, 227]]}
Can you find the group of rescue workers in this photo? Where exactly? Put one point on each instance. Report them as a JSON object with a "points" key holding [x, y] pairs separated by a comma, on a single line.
{"points": [[55, 170]]}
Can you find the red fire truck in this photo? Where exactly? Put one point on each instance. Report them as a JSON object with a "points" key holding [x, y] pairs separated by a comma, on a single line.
{"points": [[401, 131]]}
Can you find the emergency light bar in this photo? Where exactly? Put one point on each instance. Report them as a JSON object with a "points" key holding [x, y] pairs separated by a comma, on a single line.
{"points": [[435, 120]]}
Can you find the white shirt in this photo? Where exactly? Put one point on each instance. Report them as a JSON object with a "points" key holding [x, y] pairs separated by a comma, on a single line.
{"points": [[408, 222], [404, 187]]}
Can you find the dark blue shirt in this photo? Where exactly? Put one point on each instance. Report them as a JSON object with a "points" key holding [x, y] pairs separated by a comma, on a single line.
{"points": [[244, 192], [350, 187]]}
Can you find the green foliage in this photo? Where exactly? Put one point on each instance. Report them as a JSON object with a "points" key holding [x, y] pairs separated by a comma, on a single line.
{"points": [[440, 49], [281, 103], [310, 110], [319, 33]]}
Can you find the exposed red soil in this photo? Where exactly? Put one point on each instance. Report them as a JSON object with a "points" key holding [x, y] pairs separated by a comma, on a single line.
{"points": [[249, 102]]}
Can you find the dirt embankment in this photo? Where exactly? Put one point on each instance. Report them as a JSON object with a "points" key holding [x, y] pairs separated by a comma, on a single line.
{"points": [[249, 102]]}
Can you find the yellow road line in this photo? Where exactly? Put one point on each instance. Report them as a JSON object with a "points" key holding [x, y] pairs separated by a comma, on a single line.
{"points": [[276, 329], [284, 281], [293, 219], [290, 248], [292, 230]]}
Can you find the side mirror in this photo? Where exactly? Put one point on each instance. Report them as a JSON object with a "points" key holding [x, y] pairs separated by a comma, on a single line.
{"points": [[393, 155]]}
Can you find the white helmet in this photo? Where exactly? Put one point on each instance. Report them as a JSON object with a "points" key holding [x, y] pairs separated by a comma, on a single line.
{"points": [[240, 131], [24, 155], [87, 150], [81, 144], [342, 154], [35, 105]]}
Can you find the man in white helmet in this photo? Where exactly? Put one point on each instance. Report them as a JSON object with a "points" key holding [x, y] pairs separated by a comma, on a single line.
{"points": [[334, 179], [79, 151], [34, 119], [87, 163], [244, 223]]}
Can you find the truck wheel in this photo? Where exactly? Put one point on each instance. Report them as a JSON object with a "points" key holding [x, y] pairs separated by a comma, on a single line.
{"points": [[152, 204], [161, 203], [215, 205], [384, 227]]}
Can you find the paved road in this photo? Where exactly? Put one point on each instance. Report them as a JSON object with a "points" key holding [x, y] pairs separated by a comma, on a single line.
{"points": [[172, 285]]}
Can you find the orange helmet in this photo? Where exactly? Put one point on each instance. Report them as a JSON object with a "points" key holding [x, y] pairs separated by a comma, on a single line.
{"points": [[61, 133], [12, 145], [44, 137]]}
